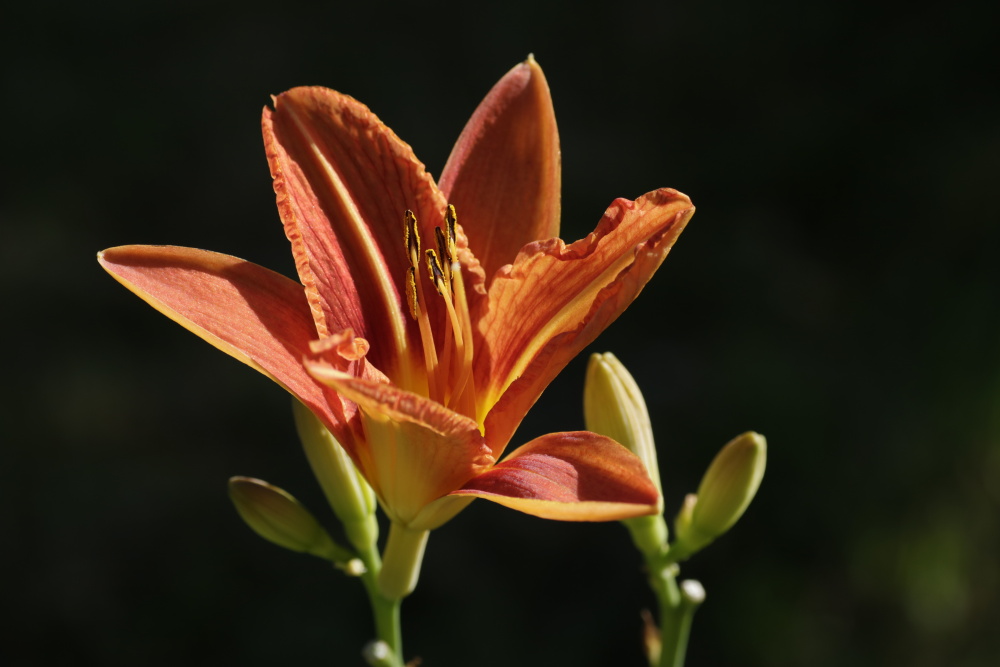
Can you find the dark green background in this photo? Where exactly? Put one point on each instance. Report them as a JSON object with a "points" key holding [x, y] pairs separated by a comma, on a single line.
{"points": [[837, 291]]}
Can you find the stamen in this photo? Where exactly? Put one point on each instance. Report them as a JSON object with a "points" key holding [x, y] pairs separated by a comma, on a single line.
{"points": [[430, 355], [411, 236], [411, 292], [412, 241], [466, 384], [451, 218], [434, 272], [444, 251], [450, 379], [447, 354], [456, 352]]}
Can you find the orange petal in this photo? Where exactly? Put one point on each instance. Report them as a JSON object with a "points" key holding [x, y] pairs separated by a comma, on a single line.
{"points": [[343, 180], [579, 476], [503, 175], [555, 299], [253, 314], [417, 450]]}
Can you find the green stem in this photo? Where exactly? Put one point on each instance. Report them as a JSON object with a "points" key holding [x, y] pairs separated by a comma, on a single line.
{"points": [[692, 595], [677, 606], [388, 581], [403, 556], [384, 610], [662, 581]]}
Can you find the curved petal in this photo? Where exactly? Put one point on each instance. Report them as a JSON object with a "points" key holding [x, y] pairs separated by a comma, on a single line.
{"points": [[251, 313], [579, 476], [503, 175], [555, 299], [416, 451], [343, 181]]}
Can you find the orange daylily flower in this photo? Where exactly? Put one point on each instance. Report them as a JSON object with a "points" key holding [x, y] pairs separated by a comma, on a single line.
{"points": [[418, 339]]}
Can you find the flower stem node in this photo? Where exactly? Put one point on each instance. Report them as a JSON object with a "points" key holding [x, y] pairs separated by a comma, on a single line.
{"points": [[278, 517], [726, 490]]}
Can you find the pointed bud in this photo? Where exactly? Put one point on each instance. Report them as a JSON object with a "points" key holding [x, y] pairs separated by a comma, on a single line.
{"points": [[726, 490], [614, 406], [345, 488], [276, 516]]}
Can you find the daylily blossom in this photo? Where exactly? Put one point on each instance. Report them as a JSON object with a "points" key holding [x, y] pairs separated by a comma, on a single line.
{"points": [[420, 333]]}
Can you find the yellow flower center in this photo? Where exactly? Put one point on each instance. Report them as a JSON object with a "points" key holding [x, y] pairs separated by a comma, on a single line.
{"points": [[449, 368]]}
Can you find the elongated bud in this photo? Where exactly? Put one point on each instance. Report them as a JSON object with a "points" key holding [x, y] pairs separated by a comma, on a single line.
{"points": [[614, 406], [349, 494], [276, 516], [726, 490]]}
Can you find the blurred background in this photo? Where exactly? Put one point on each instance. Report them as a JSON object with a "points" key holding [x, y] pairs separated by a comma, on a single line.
{"points": [[837, 292]]}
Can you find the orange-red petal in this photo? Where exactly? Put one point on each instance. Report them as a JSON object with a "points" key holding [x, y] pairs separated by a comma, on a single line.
{"points": [[504, 173], [343, 180], [555, 299], [579, 476], [251, 313]]}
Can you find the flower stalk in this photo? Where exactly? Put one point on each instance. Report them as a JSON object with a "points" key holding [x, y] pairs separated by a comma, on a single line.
{"points": [[387, 649], [404, 553], [614, 406], [677, 609]]}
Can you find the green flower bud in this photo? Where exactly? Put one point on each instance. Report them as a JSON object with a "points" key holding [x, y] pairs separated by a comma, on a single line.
{"points": [[614, 406], [345, 488], [276, 516], [726, 490]]}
